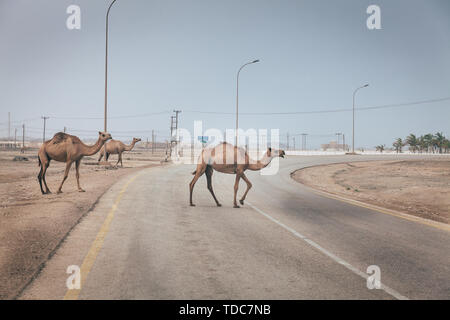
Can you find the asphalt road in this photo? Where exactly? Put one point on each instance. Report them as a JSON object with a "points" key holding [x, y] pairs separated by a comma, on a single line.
{"points": [[144, 241]]}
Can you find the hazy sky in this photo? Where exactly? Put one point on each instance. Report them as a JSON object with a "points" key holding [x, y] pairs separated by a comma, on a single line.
{"points": [[185, 55]]}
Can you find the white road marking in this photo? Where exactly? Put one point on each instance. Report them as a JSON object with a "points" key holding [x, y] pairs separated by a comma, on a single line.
{"points": [[385, 288]]}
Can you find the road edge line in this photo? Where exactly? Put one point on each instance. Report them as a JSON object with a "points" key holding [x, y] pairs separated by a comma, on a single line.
{"points": [[391, 212], [340, 261], [89, 259]]}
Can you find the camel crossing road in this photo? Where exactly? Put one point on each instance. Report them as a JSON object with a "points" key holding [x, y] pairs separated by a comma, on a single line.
{"points": [[226, 158], [144, 241], [116, 147]]}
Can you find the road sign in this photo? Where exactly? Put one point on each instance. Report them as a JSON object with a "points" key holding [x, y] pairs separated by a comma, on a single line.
{"points": [[203, 139]]}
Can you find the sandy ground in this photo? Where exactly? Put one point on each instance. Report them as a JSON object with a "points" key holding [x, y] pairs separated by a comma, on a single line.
{"points": [[417, 187], [33, 225]]}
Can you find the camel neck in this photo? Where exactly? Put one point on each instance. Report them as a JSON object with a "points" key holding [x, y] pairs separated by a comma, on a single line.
{"points": [[260, 164], [130, 146], [91, 150]]}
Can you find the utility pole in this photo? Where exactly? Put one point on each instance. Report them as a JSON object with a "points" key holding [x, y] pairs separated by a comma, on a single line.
{"points": [[293, 140], [287, 141], [153, 141], [9, 126], [176, 121], [45, 120], [23, 138], [65, 129], [174, 128], [343, 142], [304, 141], [337, 143], [15, 138]]}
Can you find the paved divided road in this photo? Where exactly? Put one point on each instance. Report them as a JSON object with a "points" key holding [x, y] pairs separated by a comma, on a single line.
{"points": [[286, 243]]}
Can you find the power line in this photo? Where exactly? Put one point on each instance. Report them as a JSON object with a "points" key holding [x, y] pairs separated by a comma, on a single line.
{"points": [[329, 110], [396, 105], [114, 117], [316, 135], [20, 121]]}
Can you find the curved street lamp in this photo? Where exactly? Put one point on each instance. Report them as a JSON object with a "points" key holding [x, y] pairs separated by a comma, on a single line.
{"points": [[353, 135], [106, 67], [237, 97]]}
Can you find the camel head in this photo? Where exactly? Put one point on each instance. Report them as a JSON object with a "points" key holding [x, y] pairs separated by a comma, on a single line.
{"points": [[104, 136], [275, 153], [136, 140]]}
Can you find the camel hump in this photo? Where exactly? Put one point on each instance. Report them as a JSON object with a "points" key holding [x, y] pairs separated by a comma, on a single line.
{"points": [[59, 137]]}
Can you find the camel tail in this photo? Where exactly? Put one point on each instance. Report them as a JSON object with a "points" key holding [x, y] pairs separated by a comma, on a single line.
{"points": [[194, 172], [39, 164]]}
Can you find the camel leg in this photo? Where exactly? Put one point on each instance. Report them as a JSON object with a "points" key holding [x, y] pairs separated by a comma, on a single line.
{"points": [[209, 172], [106, 156], [119, 159], [236, 187], [40, 175], [249, 185], [100, 157], [47, 190], [77, 168], [44, 163], [66, 173], [198, 173]]}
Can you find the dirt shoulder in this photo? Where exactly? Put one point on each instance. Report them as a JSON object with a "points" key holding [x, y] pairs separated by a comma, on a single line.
{"points": [[417, 187], [33, 225]]}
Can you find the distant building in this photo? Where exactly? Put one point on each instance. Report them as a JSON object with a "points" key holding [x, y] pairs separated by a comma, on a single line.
{"points": [[8, 144], [334, 146]]}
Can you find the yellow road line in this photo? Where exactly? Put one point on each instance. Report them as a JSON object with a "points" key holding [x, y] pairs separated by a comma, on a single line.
{"points": [[88, 262], [394, 213]]}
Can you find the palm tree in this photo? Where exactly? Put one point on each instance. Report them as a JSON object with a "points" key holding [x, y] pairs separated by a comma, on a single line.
{"points": [[398, 144], [380, 148], [439, 141], [428, 142], [446, 146], [413, 142]]}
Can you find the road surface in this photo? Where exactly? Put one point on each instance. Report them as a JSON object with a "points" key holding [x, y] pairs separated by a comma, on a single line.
{"points": [[144, 241]]}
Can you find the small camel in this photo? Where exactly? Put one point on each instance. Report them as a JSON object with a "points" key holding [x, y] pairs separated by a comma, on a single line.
{"points": [[227, 158], [116, 147], [66, 148]]}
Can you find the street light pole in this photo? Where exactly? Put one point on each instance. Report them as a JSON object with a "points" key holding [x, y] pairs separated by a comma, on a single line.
{"points": [[43, 134], [237, 98], [353, 135], [106, 67], [337, 138]]}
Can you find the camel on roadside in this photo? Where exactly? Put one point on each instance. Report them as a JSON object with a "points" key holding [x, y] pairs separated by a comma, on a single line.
{"points": [[116, 147], [66, 148], [227, 158]]}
